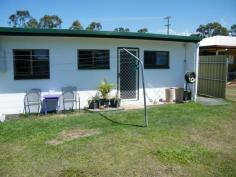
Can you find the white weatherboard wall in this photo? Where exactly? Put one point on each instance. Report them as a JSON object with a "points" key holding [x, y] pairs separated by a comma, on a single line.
{"points": [[64, 70]]}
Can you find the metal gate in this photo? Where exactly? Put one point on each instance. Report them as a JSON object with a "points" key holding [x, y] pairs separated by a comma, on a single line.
{"points": [[128, 74], [212, 76]]}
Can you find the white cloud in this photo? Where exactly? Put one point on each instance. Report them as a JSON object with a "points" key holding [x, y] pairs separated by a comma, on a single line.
{"points": [[173, 32]]}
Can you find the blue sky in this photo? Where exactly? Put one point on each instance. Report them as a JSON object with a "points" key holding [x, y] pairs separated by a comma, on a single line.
{"points": [[186, 15]]}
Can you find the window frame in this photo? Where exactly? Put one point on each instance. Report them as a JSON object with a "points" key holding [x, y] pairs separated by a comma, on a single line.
{"points": [[93, 67], [30, 76], [167, 66]]}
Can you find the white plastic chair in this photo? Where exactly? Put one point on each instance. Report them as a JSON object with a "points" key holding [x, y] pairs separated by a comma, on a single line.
{"points": [[32, 99], [70, 96]]}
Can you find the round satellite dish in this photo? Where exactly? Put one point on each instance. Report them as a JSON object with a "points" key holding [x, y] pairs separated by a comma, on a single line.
{"points": [[190, 77]]}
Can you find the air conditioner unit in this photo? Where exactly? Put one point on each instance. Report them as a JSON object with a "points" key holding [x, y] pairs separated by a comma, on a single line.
{"points": [[3, 63]]}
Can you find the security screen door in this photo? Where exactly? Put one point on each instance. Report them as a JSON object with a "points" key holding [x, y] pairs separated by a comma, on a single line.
{"points": [[128, 74]]}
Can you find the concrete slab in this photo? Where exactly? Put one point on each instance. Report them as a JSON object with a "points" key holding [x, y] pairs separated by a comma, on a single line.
{"points": [[211, 101], [106, 109], [132, 104]]}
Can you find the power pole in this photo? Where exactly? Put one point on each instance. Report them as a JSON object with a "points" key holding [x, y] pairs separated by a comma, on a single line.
{"points": [[168, 24]]}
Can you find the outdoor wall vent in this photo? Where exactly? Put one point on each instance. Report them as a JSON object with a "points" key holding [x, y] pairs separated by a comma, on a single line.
{"points": [[3, 64]]}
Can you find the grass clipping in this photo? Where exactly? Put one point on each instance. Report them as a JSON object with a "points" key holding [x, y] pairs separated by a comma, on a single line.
{"points": [[69, 135]]}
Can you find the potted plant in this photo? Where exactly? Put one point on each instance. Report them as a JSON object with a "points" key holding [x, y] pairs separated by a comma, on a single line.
{"points": [[94, 103], [115, 102], [105, 89]]}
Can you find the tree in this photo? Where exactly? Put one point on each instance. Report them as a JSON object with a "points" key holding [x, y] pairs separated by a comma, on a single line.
{"points": [[202, 30], [13, 20], [121, 29], [94, 26], [32, 23], [19, 19], [143, 30], [76, 25], [212, 29], [233, 30], [50, 22]]}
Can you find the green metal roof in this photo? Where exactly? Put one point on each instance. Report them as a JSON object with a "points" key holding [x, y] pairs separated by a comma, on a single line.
{"points": [[6, 31]]}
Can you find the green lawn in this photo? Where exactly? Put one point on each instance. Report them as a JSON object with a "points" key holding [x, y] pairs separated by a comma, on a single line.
{"points": [[182, 140]]}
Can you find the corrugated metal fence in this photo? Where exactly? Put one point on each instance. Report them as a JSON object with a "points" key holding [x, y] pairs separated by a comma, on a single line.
{"points": [[212, 76]]}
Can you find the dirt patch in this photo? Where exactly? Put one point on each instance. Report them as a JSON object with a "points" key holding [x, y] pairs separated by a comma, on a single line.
{"points": [[69, 135]]}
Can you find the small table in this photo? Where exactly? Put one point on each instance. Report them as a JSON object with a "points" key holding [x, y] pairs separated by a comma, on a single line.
{"points": [[48, 97]]}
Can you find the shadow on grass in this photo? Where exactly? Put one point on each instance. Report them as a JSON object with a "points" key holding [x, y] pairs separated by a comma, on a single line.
{"points": [[120, 123]]}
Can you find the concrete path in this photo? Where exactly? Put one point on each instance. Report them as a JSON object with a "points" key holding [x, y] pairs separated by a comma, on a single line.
{"points": [[202, 100], [131, 105], [211, 101]]}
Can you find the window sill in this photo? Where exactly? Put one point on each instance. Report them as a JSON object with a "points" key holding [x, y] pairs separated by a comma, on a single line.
{"points": [[93, 68], [30, 78], [156, 67]]}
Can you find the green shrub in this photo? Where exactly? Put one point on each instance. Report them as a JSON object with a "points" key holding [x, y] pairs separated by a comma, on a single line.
{"points": [[105, 88]]}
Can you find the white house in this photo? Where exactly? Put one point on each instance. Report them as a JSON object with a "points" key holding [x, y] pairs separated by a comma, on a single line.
{"points": [[50, 59]]}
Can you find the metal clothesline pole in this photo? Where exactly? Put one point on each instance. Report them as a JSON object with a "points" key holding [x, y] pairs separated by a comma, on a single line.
{"points": [[143, 82]]}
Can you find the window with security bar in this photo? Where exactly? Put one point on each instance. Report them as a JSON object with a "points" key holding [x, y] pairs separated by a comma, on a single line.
{"points": [[31, 64], [93, 59], [156, 59]]}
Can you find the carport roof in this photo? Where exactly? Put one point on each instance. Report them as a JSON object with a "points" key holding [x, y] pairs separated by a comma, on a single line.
{"points": [[219, 42]]}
